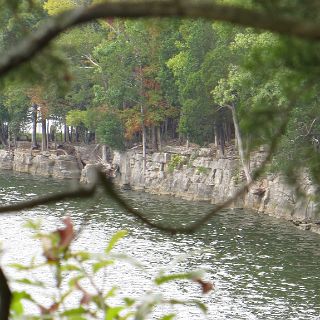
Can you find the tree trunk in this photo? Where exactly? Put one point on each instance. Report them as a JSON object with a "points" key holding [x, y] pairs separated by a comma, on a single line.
{"points": [[76, 134], [166, 129], [159, 138], [66, 133], [6, 131], [34, 125], [229, 132], [154, 138], [244, 162], [215, 130], [143, 127], [144, 142], [174, 129], [71, 134], [3, 135], [221, 140], [44, 144], [9, 139], [104, 153], [14, 140], [48, 134], [225, 130]]}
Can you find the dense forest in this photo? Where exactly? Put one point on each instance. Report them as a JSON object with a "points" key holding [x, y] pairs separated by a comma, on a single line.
{"points": [[121, 82]]}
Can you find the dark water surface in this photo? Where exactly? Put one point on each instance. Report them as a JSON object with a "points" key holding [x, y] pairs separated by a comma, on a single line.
{"points": [[262, 268]]}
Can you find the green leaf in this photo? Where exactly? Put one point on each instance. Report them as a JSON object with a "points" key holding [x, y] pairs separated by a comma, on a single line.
{"points": [[73, 281], [146, 307], [198, 303], [168, 316], [178, 276], [115, 239], [33, 225], [19, 266], [31, 283], [129, 301], [111, 293], [17, 307], [74, 312], [82, 255], [16, 303], [128, 259], [70, 267], [31, 266], [101, 264], [113, 313]]}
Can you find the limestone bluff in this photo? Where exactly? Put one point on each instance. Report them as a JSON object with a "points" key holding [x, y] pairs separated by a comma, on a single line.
{"points": [[199, 174]]}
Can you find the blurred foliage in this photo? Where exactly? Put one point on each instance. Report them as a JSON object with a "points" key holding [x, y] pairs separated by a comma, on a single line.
{"points": [[73, 284]]}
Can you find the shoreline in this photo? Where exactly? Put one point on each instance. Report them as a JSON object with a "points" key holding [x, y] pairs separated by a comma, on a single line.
{"points": [[194, 174]]}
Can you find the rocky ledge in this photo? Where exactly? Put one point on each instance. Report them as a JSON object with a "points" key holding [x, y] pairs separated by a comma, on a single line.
{"points": [[192, 174], [204, 174], [46, 163]]}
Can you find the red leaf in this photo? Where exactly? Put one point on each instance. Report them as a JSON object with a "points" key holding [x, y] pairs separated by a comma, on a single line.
{"points": [[54, 307], [86, 296], [66, 234], [205, 286]]}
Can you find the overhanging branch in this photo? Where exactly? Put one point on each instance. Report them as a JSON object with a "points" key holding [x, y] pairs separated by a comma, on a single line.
{"points": [[110, 191], [32, 44], [5, 298]]}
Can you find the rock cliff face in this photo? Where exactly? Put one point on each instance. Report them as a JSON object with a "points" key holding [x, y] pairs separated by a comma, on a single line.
{"points": [[192, 174], [40, 163], [203, 175]]}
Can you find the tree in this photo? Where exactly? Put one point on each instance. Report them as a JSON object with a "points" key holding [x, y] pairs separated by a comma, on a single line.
{"points": [[110, 131], [197, 113], [16, 104]]}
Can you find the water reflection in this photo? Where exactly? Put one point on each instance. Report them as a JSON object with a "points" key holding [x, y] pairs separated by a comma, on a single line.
{"points": [[262, 268]]}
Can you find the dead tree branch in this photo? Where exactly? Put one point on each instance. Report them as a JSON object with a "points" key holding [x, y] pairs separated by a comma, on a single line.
{"points": [[110, 191], [80, 192]]}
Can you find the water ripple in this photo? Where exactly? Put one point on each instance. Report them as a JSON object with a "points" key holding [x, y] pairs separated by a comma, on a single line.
{"points": [[263, 268]]}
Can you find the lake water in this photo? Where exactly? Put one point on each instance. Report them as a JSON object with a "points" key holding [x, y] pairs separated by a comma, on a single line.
{"points": [[262, 268]]}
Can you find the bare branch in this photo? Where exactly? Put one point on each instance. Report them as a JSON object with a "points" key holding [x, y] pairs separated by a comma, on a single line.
{"points": [[5, 296], [29, 204], [110, 190], [31, 45], [200, 222], [311, 126], [308, 132], [89, 58]]}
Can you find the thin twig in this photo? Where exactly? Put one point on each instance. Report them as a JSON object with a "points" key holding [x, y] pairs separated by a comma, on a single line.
{"points": [[191, 228], [81, 192], [308, 132], [110, 190]]}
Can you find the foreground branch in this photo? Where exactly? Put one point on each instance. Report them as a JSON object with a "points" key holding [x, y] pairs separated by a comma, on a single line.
{"points": [[5, 298], [29, 204], [28, 48]]}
